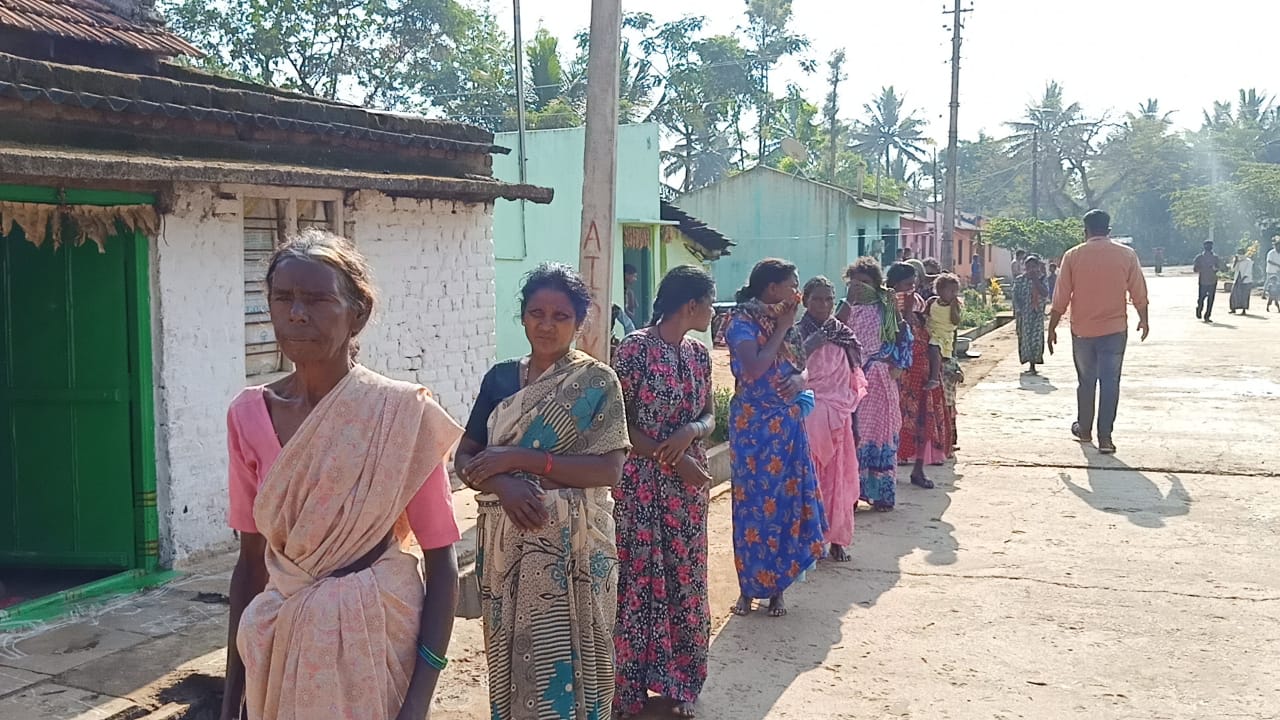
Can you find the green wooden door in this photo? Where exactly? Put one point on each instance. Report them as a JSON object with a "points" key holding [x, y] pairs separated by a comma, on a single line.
{"points": [[66, 429]]}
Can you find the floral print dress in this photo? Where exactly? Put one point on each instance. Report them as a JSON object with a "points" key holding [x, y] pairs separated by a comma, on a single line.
{"points": [[664, 621], [778, 518]]}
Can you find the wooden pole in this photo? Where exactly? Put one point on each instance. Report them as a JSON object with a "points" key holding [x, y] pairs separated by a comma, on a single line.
{"points": [[600, 169]]}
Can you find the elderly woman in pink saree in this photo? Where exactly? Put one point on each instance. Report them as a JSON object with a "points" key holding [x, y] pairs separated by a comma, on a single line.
{"points": [[334, 470], [834, 365]]}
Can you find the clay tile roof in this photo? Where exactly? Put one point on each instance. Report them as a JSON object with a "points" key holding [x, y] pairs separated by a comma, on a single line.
{"points": [[91, 21]]}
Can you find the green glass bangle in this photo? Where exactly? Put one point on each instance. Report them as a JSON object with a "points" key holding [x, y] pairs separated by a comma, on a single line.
{"points": [[431, 658]]}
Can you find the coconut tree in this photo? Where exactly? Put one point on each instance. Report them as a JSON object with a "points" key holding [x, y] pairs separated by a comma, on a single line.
{"points": [[889, 129]]}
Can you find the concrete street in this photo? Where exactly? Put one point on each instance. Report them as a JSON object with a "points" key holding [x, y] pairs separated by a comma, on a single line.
{"points": [[1039, 580], [1044, 581]]}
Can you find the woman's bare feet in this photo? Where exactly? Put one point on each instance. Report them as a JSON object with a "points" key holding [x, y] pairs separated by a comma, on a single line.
{"points": [[777, 606], [838, 553], [743, 607], [683, 709]]}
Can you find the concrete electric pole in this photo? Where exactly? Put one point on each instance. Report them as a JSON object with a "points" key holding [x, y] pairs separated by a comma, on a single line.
{"points": [[953, 138], [600, 169]]}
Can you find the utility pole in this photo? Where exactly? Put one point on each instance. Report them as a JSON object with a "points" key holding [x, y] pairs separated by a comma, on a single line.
{"points": [[600, 171], [1035, 173], [953, 139]]}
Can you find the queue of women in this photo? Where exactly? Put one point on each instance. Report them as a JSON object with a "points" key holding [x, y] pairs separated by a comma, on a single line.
{"points": [[592, 479]]}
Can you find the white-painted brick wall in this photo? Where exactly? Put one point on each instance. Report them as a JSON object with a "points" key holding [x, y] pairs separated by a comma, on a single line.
{"points": [[198, 286], [433, 264]]}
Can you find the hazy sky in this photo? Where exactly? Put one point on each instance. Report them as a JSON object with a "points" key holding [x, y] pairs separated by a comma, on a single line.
{"points": [[1108, 54]]}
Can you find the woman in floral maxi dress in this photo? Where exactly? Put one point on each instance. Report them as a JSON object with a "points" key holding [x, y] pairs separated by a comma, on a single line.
{"points": [[872, 312], [664, 623], [926, 435]]}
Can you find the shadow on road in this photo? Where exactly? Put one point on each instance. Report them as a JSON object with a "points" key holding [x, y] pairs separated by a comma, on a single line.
{"points": [[782, 649], [1118, 489], [1038, 384]]}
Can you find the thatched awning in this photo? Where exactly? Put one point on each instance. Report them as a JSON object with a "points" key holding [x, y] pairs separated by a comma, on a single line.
{"points": [[76, 223]]}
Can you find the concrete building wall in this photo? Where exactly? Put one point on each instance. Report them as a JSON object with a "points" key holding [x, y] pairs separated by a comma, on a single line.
{"points": [[551, 232], [769, 214], [433, 265], [198, 345]]}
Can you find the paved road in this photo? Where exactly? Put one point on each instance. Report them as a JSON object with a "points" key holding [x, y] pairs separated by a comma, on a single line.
{"points": [[1044, 581]]}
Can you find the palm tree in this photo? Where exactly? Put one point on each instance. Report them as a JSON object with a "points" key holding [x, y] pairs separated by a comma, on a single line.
{"points": [[888, 129]]}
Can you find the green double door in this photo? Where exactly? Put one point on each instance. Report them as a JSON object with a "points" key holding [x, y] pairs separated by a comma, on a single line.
{"points": [[67, 405]]}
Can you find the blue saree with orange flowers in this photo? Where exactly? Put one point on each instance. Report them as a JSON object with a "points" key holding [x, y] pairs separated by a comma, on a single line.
{"points": [[778, 519]]}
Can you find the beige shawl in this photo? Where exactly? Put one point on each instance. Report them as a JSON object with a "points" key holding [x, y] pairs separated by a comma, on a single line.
{"points": [[316, 646]]}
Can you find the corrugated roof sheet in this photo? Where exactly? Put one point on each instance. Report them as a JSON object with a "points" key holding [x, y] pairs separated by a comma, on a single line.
{"points": [[91, 21], [696, 230]]}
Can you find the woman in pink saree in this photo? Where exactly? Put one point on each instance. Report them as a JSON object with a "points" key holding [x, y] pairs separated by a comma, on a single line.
{"points": [[334, 470], [834, 365]]}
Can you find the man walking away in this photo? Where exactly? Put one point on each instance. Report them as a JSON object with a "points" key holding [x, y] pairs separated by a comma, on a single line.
{"points": [[1093, 282], [1273, 275], [1206, 267]]}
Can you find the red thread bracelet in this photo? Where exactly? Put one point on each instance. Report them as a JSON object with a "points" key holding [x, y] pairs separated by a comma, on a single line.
{"points": [[546, 471]]}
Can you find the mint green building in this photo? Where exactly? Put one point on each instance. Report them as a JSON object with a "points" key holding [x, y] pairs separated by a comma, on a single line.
{"points": [[819, 227], [651, 235]]}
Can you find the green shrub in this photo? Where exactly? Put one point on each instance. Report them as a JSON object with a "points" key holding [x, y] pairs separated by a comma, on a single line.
{"points": [[722, 398]]}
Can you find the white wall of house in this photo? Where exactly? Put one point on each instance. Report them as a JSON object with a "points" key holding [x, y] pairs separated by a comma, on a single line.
{"points": [[433, 265], [198, 345]]}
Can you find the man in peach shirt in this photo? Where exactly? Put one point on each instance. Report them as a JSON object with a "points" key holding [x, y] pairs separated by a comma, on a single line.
{"points": [[1096, 281]]}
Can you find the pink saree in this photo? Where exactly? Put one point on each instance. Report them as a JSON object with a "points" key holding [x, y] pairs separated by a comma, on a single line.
{"points": [[317, 646], [838, 390]]}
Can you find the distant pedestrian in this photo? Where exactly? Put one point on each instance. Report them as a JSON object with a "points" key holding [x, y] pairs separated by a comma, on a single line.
{"points": [[778, 520], [872, 311], [1242, 284], [1273, 275], [1051, 281], [834, 366], [664, 617], [1030, 296], [976, 278], [1019, 258], [1206, 268], [1097, 281], [630, 277], [1159, 253]]}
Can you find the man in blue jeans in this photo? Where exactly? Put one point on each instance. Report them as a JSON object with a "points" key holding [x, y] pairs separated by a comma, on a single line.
{"points": [[1096, 282]]}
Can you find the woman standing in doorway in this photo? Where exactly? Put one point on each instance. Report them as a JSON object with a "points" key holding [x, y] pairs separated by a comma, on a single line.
{"points": [[664, 619], [333, 469], [778, 521], [834, 366], [545, 443], [872, 312]]}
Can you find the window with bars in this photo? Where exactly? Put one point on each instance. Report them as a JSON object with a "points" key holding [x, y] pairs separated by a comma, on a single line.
{"points": [[267, 222]]}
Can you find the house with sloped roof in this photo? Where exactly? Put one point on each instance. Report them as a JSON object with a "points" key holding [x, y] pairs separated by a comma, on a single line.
{"points": [[818, 226], [138, 201]]}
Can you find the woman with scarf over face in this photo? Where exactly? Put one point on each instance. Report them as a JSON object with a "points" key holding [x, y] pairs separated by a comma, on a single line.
{"points": [[1030, 296], [834, 366], [872, 312], [778, 522]]}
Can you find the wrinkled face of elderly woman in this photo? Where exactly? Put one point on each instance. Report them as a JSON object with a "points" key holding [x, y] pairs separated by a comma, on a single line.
{"points": [[313, 314], [820, 302]]}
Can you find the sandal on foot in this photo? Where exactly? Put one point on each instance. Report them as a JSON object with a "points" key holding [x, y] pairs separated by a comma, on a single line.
{"points": [[881, 506], [742, 609], [922, 481], [839, 554]]}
